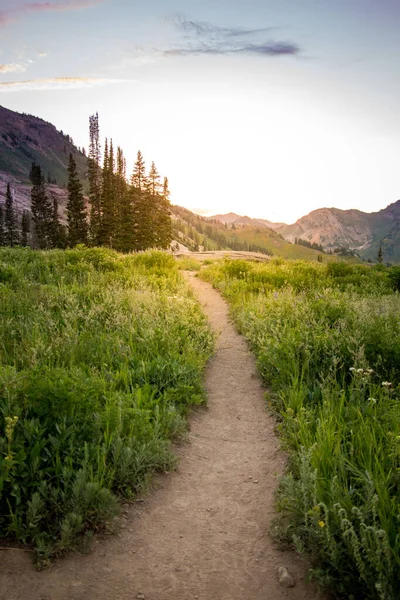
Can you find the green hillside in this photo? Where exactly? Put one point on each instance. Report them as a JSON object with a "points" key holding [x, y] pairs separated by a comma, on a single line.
{"points": [[200, 233]]}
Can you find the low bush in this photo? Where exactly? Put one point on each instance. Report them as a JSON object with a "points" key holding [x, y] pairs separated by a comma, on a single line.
{"points": [[327, 342], [101, 355]]}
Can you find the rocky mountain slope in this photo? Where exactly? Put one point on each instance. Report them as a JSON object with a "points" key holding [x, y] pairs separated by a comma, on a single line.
{"points": [[232, 218], [25, 139], [200, 233], [332, 228]]}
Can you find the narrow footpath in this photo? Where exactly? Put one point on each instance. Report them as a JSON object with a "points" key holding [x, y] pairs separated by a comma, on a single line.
{"points": [[202, 531]]}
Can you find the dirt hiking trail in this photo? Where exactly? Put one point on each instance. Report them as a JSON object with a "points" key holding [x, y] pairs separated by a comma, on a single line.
{"points": [[202, 532]]}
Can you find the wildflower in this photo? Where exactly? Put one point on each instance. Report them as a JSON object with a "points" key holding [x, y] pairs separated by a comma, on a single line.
{"points": [[370, 371], [360, 371], [372, 400], [352, 369], [321, 524], [386, 383], [10, 425]]}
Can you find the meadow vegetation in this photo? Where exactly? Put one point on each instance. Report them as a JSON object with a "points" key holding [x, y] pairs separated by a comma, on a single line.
{"points": [[101, 356], [327, 342]]}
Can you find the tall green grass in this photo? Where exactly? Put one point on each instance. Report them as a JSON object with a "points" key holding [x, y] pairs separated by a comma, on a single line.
{"points": [[327, 342], [100, 357]]}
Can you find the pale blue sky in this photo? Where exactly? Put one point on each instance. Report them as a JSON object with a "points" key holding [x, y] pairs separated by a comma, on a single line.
{"points": [[270, 108]]}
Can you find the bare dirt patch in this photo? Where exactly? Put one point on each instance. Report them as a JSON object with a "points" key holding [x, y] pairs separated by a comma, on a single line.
{"points": [[202, 531]]}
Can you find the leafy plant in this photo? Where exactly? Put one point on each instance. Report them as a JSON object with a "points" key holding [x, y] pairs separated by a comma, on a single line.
{"points": [[327, 342], [101, 356]]}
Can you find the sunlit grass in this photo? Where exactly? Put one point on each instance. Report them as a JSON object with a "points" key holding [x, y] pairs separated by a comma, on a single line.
{"points": [[100, 357], [327, 342]]}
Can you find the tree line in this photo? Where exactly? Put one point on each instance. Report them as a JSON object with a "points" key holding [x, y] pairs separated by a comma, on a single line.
{"points": [[126, 216], [196, 233], [300, 242]]}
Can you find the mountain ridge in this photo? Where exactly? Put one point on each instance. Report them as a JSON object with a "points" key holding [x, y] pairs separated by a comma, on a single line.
{"points": [[25, 139], [334, 227]]}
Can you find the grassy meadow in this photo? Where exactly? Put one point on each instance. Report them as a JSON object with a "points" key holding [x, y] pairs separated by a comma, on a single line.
{"points": [[327, 342], [101, 355]]}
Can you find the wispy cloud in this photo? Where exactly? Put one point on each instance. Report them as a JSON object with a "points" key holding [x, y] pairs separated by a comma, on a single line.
{"points": [[16, 12], [12, 68], [202, 28], [267, 49], [208, 39], [57, 83]]}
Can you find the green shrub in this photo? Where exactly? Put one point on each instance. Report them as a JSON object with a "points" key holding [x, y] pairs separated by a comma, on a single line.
{"points": [[101, 356], [394, 277], [327, 342]]}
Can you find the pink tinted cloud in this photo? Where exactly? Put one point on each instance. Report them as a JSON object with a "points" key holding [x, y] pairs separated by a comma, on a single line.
{"points": [[11, 14], [58, 83]]}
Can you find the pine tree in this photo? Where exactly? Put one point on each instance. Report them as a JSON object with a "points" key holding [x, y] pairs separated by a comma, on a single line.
{"points": [[26, 227], [10, 220], [76, 211], [142, 209], [124, 229], [42, 210], [152, 209], [380, 255], [107, 226], [59, 231], [2, 229], [153, 181], [164, 222], [138, 179], [94, 176]]}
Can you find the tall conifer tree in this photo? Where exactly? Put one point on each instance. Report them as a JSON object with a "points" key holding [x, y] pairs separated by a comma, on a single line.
{"points": [[142, 212], [59, 231], [153, 181], [107, 197], [124, 210], [164, 216], [138, 179], [76, 211], [10, 220], [94, 175], [26, 227], [153, 188], [42, 210]]}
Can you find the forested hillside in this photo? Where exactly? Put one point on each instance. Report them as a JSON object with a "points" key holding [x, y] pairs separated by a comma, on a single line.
{"points": [[200, 233]]}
